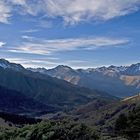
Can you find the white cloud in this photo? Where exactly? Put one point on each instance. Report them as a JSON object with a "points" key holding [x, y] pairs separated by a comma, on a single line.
{"points": [[50, 46], [7, 7], [5, 12], [2, 44], [29, 38], [49, 62], [35, 63], [70, 11], [75, 11]]}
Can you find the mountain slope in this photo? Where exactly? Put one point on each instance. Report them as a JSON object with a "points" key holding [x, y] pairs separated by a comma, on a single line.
{"points": [[15, 102], [104, 117], [118, 81], [45, 89]]}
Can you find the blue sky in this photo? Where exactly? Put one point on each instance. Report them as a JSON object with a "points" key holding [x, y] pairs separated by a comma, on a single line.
{"points": [[78, 33]]}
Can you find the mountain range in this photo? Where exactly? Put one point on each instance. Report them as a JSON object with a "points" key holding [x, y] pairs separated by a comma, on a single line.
{"points": [[62, 93], [120, 81], [64, 88], [22, 88]]}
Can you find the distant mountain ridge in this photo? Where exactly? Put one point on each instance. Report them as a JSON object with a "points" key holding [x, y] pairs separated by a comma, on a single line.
{"points": [[133, 69], [121, 81], [49, 91]]}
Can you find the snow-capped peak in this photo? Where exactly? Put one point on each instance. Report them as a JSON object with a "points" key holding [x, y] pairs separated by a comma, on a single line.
{"points": [[134, 69], [6, 64]]}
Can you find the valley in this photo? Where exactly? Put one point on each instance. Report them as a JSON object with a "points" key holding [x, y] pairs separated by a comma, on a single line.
{"points": [[120, 81], [29, 96]]}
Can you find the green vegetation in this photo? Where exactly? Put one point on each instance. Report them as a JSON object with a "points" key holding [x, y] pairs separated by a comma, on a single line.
{"points": [[50, 130], [129, 125]]}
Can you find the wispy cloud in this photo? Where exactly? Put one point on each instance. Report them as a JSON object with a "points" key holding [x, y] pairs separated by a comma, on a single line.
{"points": [[36, 62], [45, 47], [70, 11], [50, 62], [7, 7], [29, 38], [30, 31], [84, 10], [5, 12]]}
